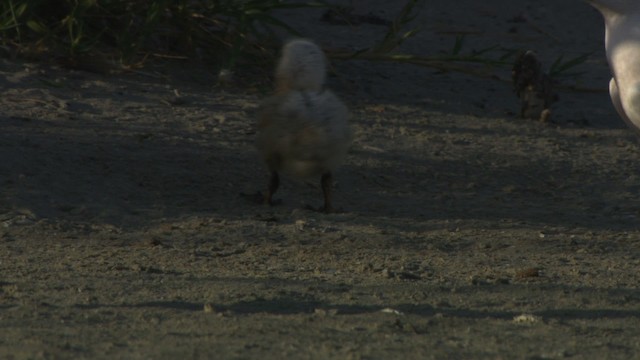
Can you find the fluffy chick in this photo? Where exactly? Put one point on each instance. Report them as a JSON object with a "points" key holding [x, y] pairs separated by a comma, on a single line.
{"points": [[532, 86], [622, 44], [303, 129]]}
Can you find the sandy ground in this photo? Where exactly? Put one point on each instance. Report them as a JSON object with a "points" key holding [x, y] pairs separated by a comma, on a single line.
{"points": [[465, 233]]}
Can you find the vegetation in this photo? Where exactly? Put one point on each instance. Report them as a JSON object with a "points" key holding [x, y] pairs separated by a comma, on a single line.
{"points": [[132, 30], [223, 31]]}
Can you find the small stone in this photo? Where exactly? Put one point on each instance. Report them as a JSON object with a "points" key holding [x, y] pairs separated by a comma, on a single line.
{"points": [[387, 273], [526, 319], [225, 77], [528, 273], [325, 312]]}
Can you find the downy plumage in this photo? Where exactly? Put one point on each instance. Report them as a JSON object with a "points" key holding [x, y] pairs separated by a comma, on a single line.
{"points": [[303, 128]]}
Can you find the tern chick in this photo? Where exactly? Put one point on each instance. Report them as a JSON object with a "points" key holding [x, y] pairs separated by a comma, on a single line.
{"points": [[303, 129], [533, 87]]}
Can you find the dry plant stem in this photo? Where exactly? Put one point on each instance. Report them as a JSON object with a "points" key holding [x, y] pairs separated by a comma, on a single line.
{"points": [[447, 66], [415, 60], [540, 29]]}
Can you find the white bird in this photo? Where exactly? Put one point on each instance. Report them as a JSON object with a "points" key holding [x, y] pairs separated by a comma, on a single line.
{"points": [[622, 44], [303, 128]]}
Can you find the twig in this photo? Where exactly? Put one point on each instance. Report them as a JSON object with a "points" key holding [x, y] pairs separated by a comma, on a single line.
{"points": [[539, 29]]}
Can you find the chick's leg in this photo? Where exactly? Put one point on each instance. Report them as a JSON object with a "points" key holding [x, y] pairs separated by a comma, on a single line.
{"points": [[274, 183], [326, 181]]}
